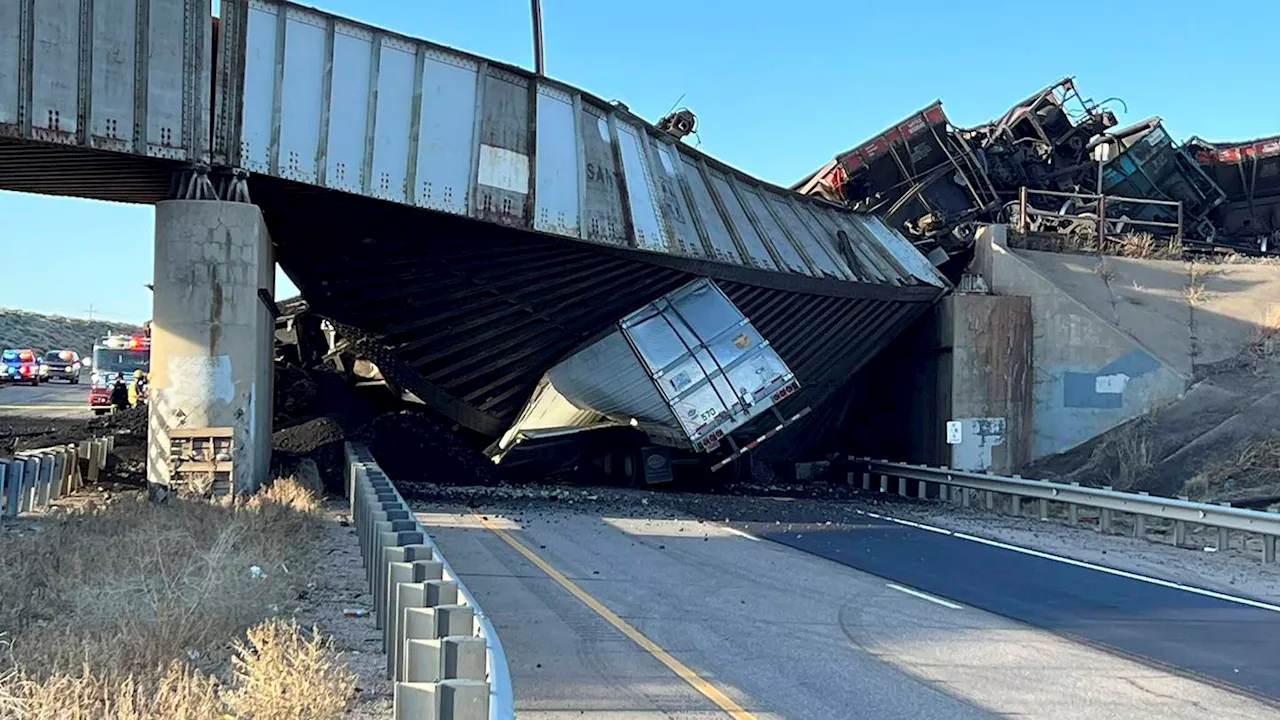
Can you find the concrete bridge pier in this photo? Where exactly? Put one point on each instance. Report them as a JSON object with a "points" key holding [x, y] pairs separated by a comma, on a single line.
{"points": [[212, 336]]}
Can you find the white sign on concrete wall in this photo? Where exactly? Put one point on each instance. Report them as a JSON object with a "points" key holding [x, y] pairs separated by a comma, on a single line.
{"points": [[1110, 384], [953, 432], [200, 380]]}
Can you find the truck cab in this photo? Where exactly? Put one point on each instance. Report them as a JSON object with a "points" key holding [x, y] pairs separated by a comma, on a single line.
{"points": [[115, 356]]}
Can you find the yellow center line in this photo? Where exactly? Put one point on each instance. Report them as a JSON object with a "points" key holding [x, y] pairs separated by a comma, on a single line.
{"points": [[712, 693]]}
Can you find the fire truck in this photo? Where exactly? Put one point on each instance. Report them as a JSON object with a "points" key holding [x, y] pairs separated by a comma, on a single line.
{"points": [[116, 355]]}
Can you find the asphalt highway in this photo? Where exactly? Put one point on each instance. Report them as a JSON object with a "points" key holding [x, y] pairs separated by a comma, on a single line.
{"points": [[54, 399], [622, 613], [1210, 637]]}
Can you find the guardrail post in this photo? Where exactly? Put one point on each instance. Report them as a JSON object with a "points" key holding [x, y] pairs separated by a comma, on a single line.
{"points": [[7, 502], [45, 482], [990, 500], [1180, 527], [73, 462], [1139, 525], [57, 472], [30, 483], [1044, 509], [1269, 548], [1224, 535], [884, 483], [94, 466], [1104, 516], [866, 480], [1073, 511], [965, 494], [902, 486], [922, 489]]}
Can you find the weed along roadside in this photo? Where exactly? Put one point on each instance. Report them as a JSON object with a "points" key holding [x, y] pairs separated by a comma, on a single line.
{"points": [[125, 609]]}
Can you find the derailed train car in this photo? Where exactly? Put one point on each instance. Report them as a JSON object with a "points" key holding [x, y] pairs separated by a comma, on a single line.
{"points": [[1249, 175], [932, 180], [468, 228]]}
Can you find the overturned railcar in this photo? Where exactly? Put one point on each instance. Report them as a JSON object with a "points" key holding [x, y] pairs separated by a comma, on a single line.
{"points": [[467, 226], [932, 180], [1249, 175]]}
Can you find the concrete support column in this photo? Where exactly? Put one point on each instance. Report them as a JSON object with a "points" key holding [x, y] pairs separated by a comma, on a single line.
{"points": [[212, 334]]}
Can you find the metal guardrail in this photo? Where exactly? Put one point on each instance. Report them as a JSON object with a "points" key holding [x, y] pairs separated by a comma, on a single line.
{"points": [[32, 479], [1099, 204], [1141, 506], [443, 653]]}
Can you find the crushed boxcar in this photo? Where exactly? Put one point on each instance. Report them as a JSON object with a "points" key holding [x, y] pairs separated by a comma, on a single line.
{"points": [[931, 180], [1249, 175]]}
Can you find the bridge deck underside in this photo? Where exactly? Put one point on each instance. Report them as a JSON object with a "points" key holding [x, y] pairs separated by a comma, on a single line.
{"points": [[82, 172], [470, 315]]}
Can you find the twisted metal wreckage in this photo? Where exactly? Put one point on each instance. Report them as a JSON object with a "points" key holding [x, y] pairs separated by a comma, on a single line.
{"points": [[933, 180]]}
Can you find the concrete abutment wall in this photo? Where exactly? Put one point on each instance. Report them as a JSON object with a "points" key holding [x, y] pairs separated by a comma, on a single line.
{"points": [[211, 339], [1090, 376]]}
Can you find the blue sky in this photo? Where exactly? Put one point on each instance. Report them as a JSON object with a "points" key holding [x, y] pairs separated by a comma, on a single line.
{"points": [[778, 88]]}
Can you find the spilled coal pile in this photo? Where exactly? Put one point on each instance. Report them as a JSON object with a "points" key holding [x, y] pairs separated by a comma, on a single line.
{"points": [[317, 411]]}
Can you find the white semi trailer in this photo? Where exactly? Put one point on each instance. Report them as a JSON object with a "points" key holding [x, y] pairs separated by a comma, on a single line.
{"points": [[672, 383]]}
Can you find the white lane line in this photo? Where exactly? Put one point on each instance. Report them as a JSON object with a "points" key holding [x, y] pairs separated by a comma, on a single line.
{"points": [[739, 533], [924, 596], [1080, 563]]}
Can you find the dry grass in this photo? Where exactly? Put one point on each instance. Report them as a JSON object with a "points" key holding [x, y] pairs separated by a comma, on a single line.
{"points": [[1266, 338], [1194, 291], [285, 674], [1128, 454], [133, 610], [1253, 468], [20, 328]]}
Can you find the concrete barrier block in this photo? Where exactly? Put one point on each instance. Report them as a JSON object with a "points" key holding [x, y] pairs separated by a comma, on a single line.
{"points": [[382, 511], [414, 574], [382, 529], [416, 701], [458, 657], [430, 623], [464, 699], [386, 542]]}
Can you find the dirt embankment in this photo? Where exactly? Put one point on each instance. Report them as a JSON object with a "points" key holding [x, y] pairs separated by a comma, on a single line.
{"points": [[1219, 442], [20, 328]]}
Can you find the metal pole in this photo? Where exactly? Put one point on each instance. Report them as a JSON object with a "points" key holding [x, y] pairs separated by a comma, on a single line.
{"points": [[1102, 210], [537, 38]]}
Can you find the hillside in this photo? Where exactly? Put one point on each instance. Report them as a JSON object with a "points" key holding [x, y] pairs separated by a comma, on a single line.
{"points": [[20, 328]]}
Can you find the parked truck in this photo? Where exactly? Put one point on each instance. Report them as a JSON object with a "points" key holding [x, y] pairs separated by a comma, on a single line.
{"points": [[683, 380], [117, 355]]}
